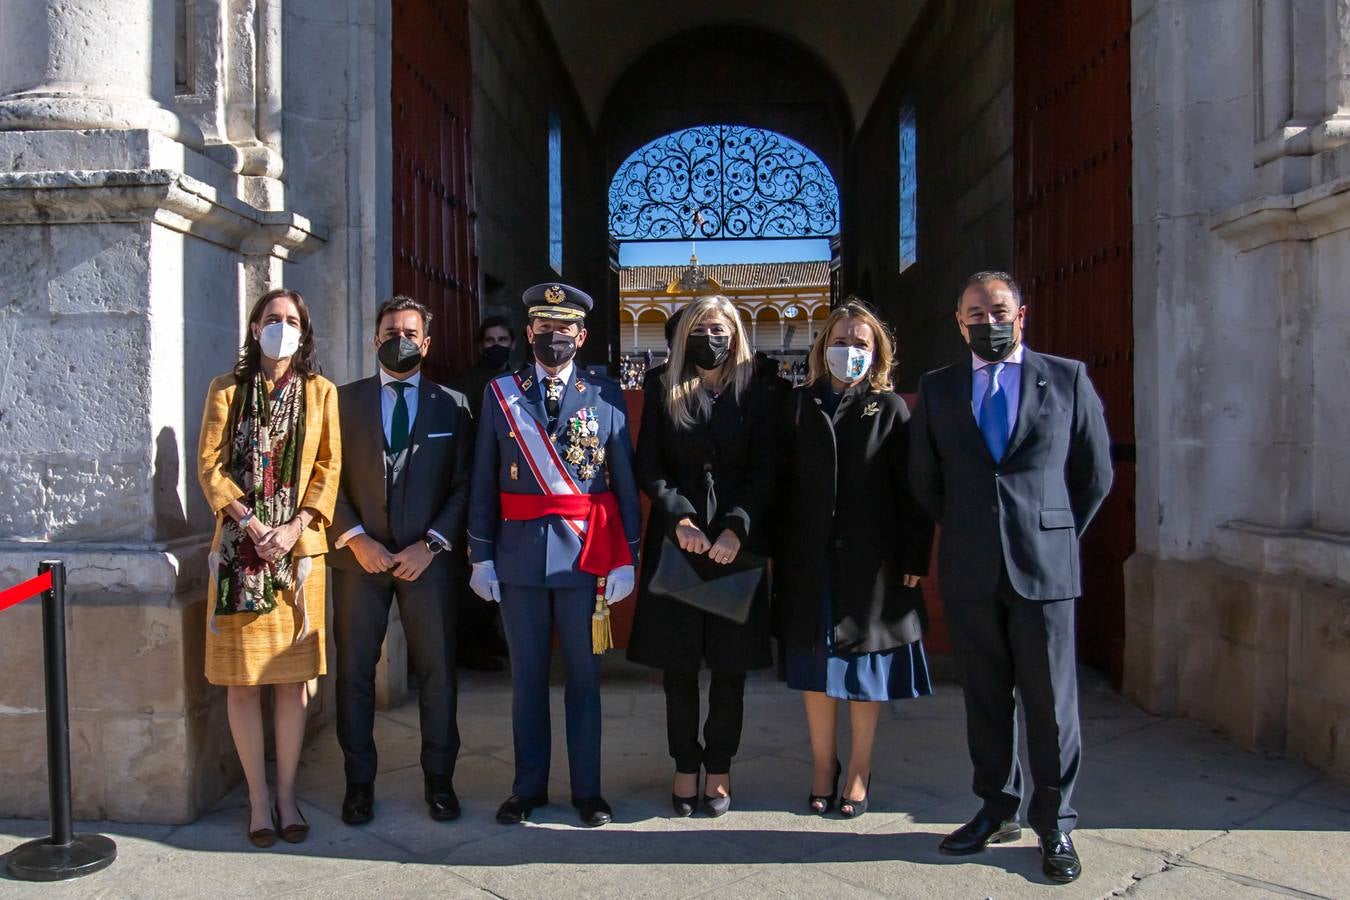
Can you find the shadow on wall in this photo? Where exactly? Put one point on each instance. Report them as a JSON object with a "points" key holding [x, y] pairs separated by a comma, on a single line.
{"points": [[170, 519]]}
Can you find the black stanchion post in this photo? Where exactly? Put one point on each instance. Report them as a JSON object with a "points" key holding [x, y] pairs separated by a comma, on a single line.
{"points": [[64, 854]]}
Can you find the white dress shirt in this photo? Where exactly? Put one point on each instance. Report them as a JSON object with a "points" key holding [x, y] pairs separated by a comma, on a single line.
{"points": [[564, 374], [1009, 380], [388, 399]]}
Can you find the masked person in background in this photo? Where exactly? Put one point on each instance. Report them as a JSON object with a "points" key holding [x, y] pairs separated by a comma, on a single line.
{"points": [[398, 522], [850, 612], [706, 460], [269, 462], [554, 519], [477, 629]]}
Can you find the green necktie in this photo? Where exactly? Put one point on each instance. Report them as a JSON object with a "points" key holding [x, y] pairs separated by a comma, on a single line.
{"points": [[398, 428]]}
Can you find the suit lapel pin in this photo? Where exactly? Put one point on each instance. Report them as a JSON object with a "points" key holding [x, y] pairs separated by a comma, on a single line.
{"points": [[871, 409], [1041, 382]]}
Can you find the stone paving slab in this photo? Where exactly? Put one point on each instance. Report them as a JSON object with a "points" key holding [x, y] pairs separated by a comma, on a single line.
{"points": [[1169, 809]]}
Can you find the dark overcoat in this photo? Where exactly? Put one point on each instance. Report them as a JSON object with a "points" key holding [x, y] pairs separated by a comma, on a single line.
{"points": [[719, 473], [850, 516]]}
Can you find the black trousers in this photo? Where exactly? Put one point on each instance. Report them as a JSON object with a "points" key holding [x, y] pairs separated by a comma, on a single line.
{"points": [[1006, 643], [361, 603], [721, 730]]}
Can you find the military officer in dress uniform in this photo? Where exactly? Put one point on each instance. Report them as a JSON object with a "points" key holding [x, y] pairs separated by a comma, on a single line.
{"points": [[554, 525]]}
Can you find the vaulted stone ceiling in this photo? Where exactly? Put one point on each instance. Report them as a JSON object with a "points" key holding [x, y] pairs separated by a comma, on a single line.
{"points": [[856, 39]]}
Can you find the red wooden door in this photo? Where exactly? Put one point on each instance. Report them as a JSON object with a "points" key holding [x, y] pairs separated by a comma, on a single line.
{"points": [[1072, 248], [435, 256]]}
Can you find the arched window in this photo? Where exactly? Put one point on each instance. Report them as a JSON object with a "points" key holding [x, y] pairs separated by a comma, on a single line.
{"points": [[555, 187], [909, 191], [722, 181]]}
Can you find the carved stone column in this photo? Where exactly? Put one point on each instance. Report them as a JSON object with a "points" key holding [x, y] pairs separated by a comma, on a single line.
{"points": [[82, 64]]}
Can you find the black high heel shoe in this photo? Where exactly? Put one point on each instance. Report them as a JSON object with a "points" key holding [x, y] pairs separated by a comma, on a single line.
{"points": [[851, 809], [684, 806], [825, 800], [718, 806]]}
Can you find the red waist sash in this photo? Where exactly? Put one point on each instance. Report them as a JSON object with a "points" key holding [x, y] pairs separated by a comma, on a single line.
{"points": [[603, 549]]}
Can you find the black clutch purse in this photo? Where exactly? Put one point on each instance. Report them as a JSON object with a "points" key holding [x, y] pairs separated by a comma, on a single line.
{"points": [[694, 579]]}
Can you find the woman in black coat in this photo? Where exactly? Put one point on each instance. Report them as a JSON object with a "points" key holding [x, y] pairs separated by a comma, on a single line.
{"points": [[704, 459], [848, 608]]}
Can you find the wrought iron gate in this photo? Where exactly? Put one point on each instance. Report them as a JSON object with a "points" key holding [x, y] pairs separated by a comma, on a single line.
{"points": [[1072, 247], [435, 252]]}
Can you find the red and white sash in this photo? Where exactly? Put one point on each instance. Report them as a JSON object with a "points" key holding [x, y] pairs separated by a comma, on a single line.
{"points": [[539, 452]]}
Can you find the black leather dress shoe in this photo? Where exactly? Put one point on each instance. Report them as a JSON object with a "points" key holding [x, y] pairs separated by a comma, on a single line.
{"points": [[442, 803], [517, 809], [594, 811], [1059, 860], [358, 806], [979, 833]]}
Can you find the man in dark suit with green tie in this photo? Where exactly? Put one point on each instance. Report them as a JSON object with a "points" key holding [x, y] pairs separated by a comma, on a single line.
{"points": [[406, 451]]}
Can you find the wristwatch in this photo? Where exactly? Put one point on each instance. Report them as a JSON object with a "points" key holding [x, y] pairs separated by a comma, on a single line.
{"points": [[433, 544]]}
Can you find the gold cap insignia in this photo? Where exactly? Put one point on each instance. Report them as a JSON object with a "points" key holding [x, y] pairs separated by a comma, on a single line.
{"points": [[555, 294]]}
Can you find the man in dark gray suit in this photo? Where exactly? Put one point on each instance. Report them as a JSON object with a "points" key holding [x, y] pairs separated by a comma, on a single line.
{"points": [[406, 451], [1009, 453]]}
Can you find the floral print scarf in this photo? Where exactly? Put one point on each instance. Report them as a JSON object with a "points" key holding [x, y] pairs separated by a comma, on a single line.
{"points": [[264, 459]]}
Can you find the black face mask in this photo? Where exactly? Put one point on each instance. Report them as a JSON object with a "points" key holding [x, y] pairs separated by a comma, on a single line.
{"points": [[399, 355], [496, 356], [553, 348], [992, 341], [708, 351]]}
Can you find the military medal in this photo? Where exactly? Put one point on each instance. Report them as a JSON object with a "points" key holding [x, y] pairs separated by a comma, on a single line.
{"points": [[515, 472], [583, 450]]}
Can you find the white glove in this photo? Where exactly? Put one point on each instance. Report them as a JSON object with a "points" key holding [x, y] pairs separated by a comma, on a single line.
{"points": [[618, 585], [483, 582]]}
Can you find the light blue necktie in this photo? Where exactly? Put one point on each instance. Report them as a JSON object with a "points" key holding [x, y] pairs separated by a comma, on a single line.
{"points": [[994, 414]]}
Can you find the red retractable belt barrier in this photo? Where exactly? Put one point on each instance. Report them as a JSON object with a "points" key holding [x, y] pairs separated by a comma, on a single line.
{"points": [[12, 596], [64, 854]]}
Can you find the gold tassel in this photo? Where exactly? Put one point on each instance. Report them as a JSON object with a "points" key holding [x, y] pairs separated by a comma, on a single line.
{"points": [[601, 637]]}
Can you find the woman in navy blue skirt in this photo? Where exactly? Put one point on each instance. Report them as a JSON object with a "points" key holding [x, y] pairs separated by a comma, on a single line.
{"points": [[849, 612]]}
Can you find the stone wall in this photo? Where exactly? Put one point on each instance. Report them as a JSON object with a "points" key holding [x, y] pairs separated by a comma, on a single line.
{"points": [[519, 81], [1237, 599], [147, 196], [955, 73]]}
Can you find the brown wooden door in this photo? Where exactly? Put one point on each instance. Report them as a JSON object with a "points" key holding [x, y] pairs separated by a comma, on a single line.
{"points": [[435, 256], [1072, 247]]}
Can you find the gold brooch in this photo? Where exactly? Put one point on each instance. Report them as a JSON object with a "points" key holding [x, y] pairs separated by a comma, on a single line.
{"points": [[555, 294], [871, 409]]}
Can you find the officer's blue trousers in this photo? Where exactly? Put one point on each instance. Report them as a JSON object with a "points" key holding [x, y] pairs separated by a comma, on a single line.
{"points": [[529, 615]]}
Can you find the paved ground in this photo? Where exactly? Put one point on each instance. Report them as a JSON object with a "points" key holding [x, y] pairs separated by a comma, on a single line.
{"points": [[1169, 810]]}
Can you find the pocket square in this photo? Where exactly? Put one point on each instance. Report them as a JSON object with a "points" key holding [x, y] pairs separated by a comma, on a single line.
{"points": [[440, 434]]}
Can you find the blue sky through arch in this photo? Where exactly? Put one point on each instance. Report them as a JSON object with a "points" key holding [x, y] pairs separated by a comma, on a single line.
{"points": [[676, 253]]}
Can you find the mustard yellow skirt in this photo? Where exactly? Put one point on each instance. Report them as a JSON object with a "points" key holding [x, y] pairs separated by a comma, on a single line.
{"points": [[254, 649]]}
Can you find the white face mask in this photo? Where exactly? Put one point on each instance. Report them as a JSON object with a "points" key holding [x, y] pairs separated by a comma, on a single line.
{"points": [[848, 364], [279, 340]]}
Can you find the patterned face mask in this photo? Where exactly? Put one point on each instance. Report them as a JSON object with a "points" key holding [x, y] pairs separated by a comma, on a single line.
{"points": [[848, 364]]}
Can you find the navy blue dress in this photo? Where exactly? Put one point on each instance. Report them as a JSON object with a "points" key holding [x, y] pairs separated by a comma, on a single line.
{"points": [[900, 673]]}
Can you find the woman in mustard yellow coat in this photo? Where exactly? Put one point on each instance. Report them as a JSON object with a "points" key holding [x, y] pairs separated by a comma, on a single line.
{"points": [[269, 462]]}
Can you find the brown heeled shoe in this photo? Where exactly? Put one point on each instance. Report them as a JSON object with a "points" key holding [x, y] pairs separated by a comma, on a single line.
{"points": [[293, 834], [265, 837]]}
